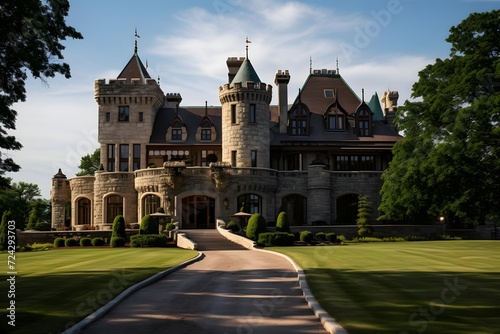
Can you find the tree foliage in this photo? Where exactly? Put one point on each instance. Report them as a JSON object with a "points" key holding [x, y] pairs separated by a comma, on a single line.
{"points": [[4, 228], [448, 164], [365, 229], [119, 227], [30, 36], [256, 225], [90, 163]]}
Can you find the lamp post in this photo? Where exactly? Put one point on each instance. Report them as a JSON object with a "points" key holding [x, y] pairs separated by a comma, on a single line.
{"points": [[441, 219]]}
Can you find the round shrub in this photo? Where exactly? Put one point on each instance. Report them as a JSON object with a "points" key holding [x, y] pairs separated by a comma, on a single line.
{"points": [[97, 241], [170, 226], [117, 242], [119, 227], [256, 225], [320, 236], [332, 237], [149, 225], [85, 242], [282, 224], [59, 242], [70, 242], [148, 240], [306, 236], [232, 226]]}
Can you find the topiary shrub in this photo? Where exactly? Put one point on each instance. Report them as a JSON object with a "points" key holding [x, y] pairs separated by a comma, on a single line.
{"points": [[269, 239], [282, 224], [85, 242], [332, 237], [117, 242], [119, 227], [232, 226], [59, 242], [97, 241], [148, 240], [306, 236], [70, 242], [256, 225], [320, 236], [149, 225]]}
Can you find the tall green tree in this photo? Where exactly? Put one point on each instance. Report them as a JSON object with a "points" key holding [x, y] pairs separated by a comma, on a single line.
{"points": [[449, 161], [19, 199], [364, 217], [90, 163], [31, 32]]}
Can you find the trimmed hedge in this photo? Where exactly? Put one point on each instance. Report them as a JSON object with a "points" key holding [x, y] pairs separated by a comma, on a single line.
{"points": [[256, 225], [306, 236], [282, 224], [232, 226], [320, 236], [85, 242], [148, 240], [59, 242], [98, 241], [119, 227], [117, 242], [332, 237], [149, 225], [268, 239], [70, 242]]}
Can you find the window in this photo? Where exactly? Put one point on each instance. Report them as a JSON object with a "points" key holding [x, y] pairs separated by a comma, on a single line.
{"points": [[233, 113], [336, 121], [141, 117], [354, 162], [367, 162], [150, 203], [294, 161], [114, 207], [208, 157], [108, 117], [123, 157], [136, 157], [206, 134], [253, 158], [84, 212], [251, 113], [111, 157], [363, 123], [123, 114], [251, 203], [329, 93], [176, 134], [299, 121], [233, 158]]}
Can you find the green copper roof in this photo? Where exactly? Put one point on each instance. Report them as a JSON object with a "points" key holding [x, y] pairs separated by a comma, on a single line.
{"points": [[374, 105], [245, 73]]}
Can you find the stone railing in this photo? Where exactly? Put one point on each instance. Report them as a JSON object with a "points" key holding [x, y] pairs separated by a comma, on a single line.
{"points": [[360, 174], [253, 171], [108, 176]]}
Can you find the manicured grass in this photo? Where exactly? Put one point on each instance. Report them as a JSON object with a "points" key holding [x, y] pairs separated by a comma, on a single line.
{"points": [[406, 287], [57, 288]]}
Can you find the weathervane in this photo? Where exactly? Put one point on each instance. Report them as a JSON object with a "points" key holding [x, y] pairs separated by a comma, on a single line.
{"points": [[338, 72], [247, 42], [136, 37]]}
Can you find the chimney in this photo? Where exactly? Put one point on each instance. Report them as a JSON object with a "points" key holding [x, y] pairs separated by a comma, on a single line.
{"points": [[281, 80], [233, 65]]}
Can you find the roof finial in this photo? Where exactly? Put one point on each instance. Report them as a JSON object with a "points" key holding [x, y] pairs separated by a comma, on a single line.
{"points": [[135, 43], [158, 79], [206, 108], [246, 42], [363, 94], [310, 65], [338, 71]]}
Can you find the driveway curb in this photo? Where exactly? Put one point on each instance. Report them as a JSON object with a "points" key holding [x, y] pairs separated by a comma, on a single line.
{"points": [[77, 328]]}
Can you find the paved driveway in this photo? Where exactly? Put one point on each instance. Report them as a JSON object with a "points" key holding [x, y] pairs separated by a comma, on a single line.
{"points": [[232, 290]]}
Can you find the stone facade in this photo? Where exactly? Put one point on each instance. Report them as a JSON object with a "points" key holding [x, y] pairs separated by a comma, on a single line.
{"points": [[311, 159]]}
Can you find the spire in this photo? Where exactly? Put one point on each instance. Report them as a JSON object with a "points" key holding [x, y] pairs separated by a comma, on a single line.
{"points": [[338, 71], [245, 73], [310, 65], [246, 47], [136, 36]]}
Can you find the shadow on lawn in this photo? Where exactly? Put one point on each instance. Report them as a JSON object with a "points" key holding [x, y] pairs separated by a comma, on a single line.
{"points": [[409, 302]]}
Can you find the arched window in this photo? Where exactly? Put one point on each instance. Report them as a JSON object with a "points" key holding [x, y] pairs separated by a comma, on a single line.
{"points": [[150, 203], [206, 130], [298, 121], [177, 130], [347, 209], [251, 203], [295, 207], [114, 207], [84, 212], [364, 122]]}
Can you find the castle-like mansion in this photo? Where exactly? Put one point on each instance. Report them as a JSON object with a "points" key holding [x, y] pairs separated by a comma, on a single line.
{"points": [[311, 158]]}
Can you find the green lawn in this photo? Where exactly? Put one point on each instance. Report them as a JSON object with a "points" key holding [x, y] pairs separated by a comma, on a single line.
{"points": [[406, 287], [56, 288]]}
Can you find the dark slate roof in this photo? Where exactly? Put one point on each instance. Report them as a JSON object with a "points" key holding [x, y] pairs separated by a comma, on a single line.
{"points": [[192, 118], [134, 69], [245, 73], [376, 109], [312, 93]]}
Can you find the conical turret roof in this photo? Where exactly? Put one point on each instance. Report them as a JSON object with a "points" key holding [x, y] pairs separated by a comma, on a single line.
{"points": [[134, 69], [245, 73], [374, 105]]}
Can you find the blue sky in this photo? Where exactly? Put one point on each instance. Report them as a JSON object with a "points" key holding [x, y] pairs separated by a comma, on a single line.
{"points": [[379, 44]]}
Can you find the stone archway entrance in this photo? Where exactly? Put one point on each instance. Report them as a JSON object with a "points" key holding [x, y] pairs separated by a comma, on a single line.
{"points": [[198, 211]]}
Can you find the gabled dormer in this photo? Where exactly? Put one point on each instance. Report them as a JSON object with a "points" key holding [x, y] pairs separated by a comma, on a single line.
{"points": [[206, 130], [299, 120], [177, 131], [335, 115], [363, 120]]}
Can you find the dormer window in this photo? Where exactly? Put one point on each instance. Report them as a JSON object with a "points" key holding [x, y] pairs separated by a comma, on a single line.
{"points": [[177, 130], [298, 121], [206, 130], [206, 134], [336, 120], [363, 121], [329, 93]]}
